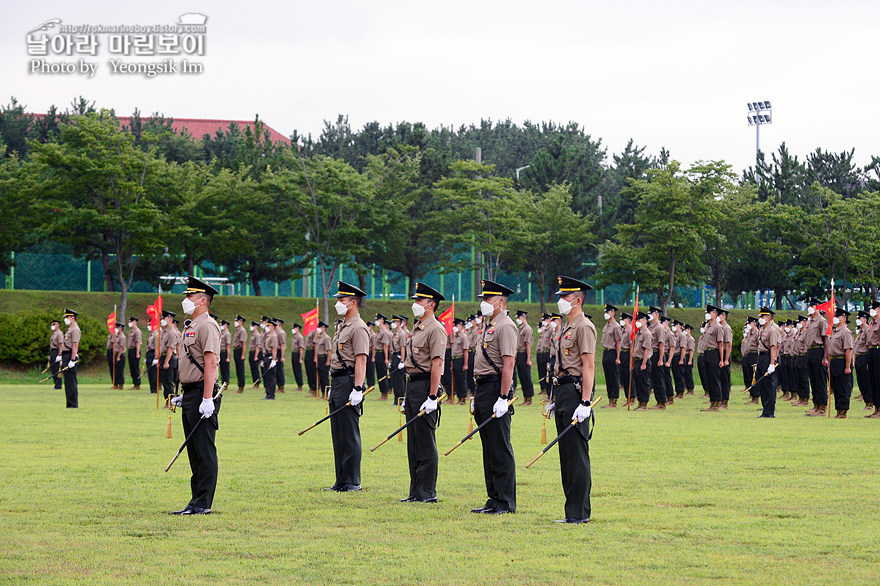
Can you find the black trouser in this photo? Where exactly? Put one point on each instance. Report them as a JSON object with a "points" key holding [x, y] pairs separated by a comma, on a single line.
{"points": [[667, 376], [254, 361], [748, 368], [612, 373], [459, 377], [54, 367], [784, 377], [574, 452], [446, 377], [472, 385], [524, 372], [398, 377], [71, 385], [151, 369], [802, 377], [863, 377], [296, 367], [134, 367], [713, 373], [382, 373], [874, 372], [687, 370], [279, 370], [345, 432], [841, 383], [641, 380], [767, 386], [324, 372], [678, 375], [200, 448], [166, 375], [371, 373], [119, 367], [623, 373], [238, 358], [725, 382], [269, 381], [224, 367], [421, 444], [701, 372], [499, 466], [818, 375], [311, 369], [542, 359], [658, 381], [110, 367]]}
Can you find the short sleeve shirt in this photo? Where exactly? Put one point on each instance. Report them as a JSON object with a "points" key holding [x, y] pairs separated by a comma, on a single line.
{"points": [[728, 333], [841, 340], [611, 334], [771, 336], [134, 337], [323, 344], [526, 336], [225, 340], [200, 336], [499, 339], [861, 343], [56, 340], [578, 337], [152, 339], [256, 341], [427, 342], [240, 337], [121, 343], [643, 343], [310, 339], [270, 342], [297, 342], [714, 336], [72, 336], [816, 328], [351, 340]]}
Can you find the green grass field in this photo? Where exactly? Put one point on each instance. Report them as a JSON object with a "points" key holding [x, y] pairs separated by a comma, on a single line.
{"points": [[678, 497]]}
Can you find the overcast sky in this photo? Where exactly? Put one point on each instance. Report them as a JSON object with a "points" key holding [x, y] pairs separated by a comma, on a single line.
{"points": [[673, 74]]}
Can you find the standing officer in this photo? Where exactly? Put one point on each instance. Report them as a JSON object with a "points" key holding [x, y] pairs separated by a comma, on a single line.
{"points": [[110, 365], [310, 362], [200, 346], [612, 339], [658, 353], [297, 345], [768, 339], [860, 348], [282, 353], [574, 375], [542, 352], [239, 350], [55, 342], [817, 358], [225, 350], [398, 376], [459, 358], [727, 349], [134, 352], [167, 343], [524, 356], [623, 372], [642, 350], [254, 353], [426, 350], [666, 362], [271, 351], [493, 369], [873, 340], [714, 361], [749, 350], [679, 349], [840, 355], [120, 345], [348, 367], [701, 362], [323, 345], [70, 358], [382, 355], [800, 371], [371, 360], [152, 360], [687, 364], [473, 340]]}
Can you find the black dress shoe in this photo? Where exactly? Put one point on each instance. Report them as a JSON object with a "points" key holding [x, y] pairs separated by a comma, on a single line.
{"points": [[481, 509], [431, 499], [334, 488], [495, 511], [184, 511], [348, 488], [766, 417], [408, 499], [199, 511], [572, 520]]}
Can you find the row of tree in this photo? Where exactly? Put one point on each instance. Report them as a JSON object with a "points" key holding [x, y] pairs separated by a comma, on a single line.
{"points": [[147, 201]]}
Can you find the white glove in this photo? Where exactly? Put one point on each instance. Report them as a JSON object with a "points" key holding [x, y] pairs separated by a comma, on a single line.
{"points": [[177, 400], [430, 405], [155, 361], [402, 405], [71, 364], [500, 407], [771, 369], [401, 366], [356, 397], [58, 358], [582, 412], [272, 364], [206, 408], [550, 409]]}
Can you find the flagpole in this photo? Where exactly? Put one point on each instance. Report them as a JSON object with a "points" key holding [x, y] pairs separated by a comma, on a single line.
{"points": [[113, 372], [632, 327], [830, 324]]}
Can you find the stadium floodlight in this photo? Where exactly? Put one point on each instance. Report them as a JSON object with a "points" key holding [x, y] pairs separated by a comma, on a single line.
{"points": [[759, 113]]}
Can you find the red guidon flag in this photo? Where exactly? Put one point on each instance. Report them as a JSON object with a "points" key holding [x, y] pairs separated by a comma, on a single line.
{"points": [[155, 312], [310, 321], [632, 327], [829, 307], [111, 322], [447, 317]]}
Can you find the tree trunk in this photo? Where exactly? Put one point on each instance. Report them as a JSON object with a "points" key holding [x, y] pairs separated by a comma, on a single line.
{"points": [[779, 294], [256, 283], [362, 281], [108, 278], [123, 302], [665, 302]]}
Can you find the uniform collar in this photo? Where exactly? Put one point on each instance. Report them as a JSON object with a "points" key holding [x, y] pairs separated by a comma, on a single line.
{"points": [[426, 321]]}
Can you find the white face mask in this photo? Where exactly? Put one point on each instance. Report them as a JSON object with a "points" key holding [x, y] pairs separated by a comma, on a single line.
{"points": [[800, 325], [394, 326], [718, 320], [638, 325], [708, 317], [872, 313], [622, 324], [479, 320], [749, 326], [762, 321], [553, 324], [188, 306], [835, 321], [131, 324], [468, 326], [674, 328], [787, 329], [341, 308], [564, 306], [486, 309], [252, 327], [702, 330], [607, 316], [67, 321], [518, 322], [52, 327], [320, 330], [418, 310], [811, 310], [859, 322], [163, 323], [454, 329]]}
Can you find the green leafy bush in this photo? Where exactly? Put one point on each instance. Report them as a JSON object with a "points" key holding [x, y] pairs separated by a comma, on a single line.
{"points": [[24, 336]]}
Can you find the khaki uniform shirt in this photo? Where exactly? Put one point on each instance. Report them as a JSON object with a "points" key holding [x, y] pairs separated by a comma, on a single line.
{"points": [[225, 339], [642, 343], [152, 339], [121, 343], [400, 337], [384, 338], [240, 338], [428, 341], [499, 339], [769, 336], [323, 344], [656, 336], [473, 339], [578, 337], [201, 336], [310, 339], [815, 331], [134, 337], [256, 341], [373, 336], [543, 344], [109, 341], [701, 344], [56, 339], [352, 339], [689, 343], [270, 343], [459, 345], [748, 342], [297, 343], [714, 336], [873, 332], [797, 346], [611, 334], [861, 343], [169, 339], [526, 336], [282, 338], [72, 336], [669, 342], [728, 334], [841, 340], [626, 332]]}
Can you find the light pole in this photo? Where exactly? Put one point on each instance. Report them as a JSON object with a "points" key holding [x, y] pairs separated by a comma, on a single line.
{"points": [[759, 113]]}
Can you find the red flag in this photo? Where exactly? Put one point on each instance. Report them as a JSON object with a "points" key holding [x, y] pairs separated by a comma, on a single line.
{"points": [[310, 321], [111, 322], [632, 322], [155, 312], [829, 307], [447, 317]]}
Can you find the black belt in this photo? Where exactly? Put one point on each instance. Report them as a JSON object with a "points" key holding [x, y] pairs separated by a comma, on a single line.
{"points": [[815, 347], [873, 347], [543, 351], [489, 378], [837, 357], [520, 351], [457, 356], [199, 384], [322, 356], [418, 376], [861, 353], [565, 380], [342, 372], [763, 353]]}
